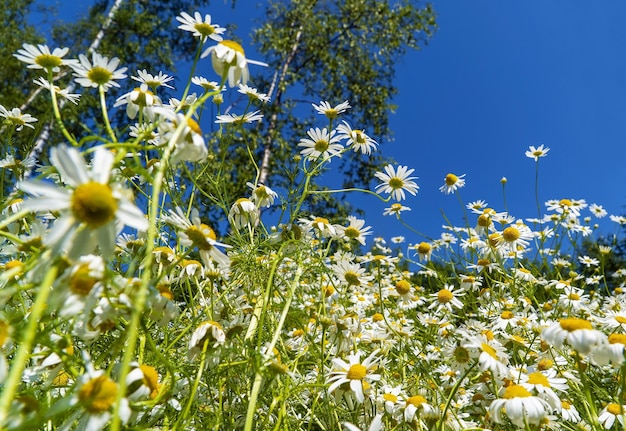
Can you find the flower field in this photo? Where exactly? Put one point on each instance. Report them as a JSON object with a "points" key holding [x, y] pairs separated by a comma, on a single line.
{"points": [[122, 308]]}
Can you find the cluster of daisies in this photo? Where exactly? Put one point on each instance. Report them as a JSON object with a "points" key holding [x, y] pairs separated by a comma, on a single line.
{"points": [[120, 306]]}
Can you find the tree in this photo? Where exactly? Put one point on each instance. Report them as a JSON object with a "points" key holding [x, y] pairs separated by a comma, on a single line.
{"points": [[322, 50]]}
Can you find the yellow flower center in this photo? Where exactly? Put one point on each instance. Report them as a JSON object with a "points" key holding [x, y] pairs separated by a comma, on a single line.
{"points": [[461, 355], [537, 378], [194, 126], [93, 204], [390, 397], [483, 262], [352, 233], [396, 207], [199, 235], [565, 203], [141, 96], [396, 183], [98, 394], [233, 45], [403, 287], [506, 315], [489, 350], [48, 61], [378, 317], [321, 145], [356, 372], [484, 220], [444, 296], [297, 333], [617, 339], [424, 248], [352, 278], [614, 409], [81, 282], [516, 391], [320, 220], [416, 400], [620, 319], [4, 332], [358, 136], [150, 379], [451, 179], [99, 75], [571, 324], [544, 364], [510, 234], [165, 291], [328, 290], [204, 29]]}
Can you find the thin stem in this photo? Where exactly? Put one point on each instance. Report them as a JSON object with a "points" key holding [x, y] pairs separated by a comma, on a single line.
{"points": [[105, 114]]}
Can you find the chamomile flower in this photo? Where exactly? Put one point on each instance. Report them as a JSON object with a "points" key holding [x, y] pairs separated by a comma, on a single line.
{"points": [[331, 112], [610, 413], [578, 333], [71, 97], [243, 213], [207, 332], [205, 83], [597, 210], [229, 60], [153, 81], [248, 117], [40, 57], [92, 209], [354, 375], [99, 72], [396, 209], [200, 28], [492, 355], [15, 118], [452, 182], [190, 145], [357, 139], [139, 99], [262, 195], [355, 230], [96, 395], [253, 93], [320, 143], [193, 233], [396, 182], [520, 406], [535, 153]]}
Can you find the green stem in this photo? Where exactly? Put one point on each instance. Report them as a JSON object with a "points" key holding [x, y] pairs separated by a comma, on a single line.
{"points": [[105, 114], [25, 344], [142, 293], [57, 113]]}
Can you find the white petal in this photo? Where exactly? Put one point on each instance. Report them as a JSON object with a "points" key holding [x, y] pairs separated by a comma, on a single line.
{"points": [[101, 165], [70, 165], [132, 216]]}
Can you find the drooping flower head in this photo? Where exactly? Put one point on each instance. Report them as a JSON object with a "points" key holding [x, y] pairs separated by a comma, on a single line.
{"points": [[228, 57]]}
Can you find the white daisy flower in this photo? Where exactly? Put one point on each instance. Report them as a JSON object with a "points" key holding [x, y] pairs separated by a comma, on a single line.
{"points": [[520, 406], [200, 28], [228, 57], [153, 81], [331, 112], [396, 181], [16, 118], [40, 57], [354, 374], [92, 210], [100, 71], [72, 97], [357, 139], [321, 143], [535, 153]]}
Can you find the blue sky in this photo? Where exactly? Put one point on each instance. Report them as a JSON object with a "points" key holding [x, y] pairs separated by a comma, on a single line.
{"points": [[497, 77]]}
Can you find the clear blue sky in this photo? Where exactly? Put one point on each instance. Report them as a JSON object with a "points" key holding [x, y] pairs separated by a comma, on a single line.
{"points": [[497, 77]]}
